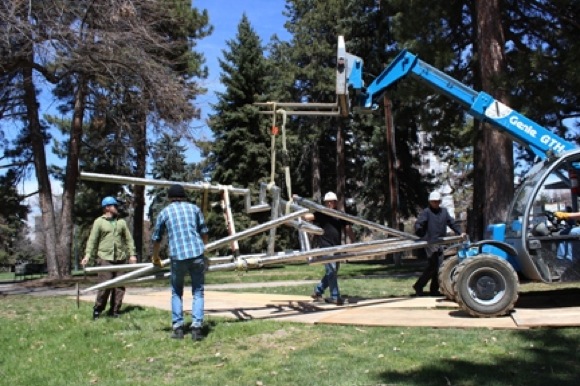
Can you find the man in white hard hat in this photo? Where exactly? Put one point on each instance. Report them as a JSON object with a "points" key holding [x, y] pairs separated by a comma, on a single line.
{"points": [[332, 236], [431, 225]]}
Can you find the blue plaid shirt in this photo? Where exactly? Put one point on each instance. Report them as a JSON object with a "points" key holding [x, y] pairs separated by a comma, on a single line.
{"points": [[185, 224]]}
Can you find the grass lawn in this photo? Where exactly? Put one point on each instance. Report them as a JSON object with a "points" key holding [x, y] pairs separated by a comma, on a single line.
{"points": [[46, 340]]}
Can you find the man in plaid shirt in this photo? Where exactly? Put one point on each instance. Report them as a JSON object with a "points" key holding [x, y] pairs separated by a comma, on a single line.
{"points": [[186, 236]]}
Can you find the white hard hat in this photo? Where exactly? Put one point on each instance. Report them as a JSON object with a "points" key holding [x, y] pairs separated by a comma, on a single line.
{"points": [[435, 196], [330, 196]]}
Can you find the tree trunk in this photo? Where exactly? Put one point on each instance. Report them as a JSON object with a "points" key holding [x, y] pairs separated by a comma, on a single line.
{"points": [[493, 158], [139, 211], [391, 153], [340, 165], [65, 235], [316, 187], [41, 170]]}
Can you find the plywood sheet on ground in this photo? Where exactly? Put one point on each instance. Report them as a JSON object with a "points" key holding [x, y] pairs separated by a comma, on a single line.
{"points": [[547, 317], [405, 317], [403, 311]]}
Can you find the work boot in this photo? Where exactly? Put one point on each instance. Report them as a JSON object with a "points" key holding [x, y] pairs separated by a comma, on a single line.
{"points": [[316, 297], [196, 334], [338, 301], [177, 333], [418, 290]]}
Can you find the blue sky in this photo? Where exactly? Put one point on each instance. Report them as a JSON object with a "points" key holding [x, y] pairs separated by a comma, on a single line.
{"points": [[265, 17]]}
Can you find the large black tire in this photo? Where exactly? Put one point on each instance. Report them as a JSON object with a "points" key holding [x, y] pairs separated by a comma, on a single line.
{"points": [[486, 286], [446, 271]]}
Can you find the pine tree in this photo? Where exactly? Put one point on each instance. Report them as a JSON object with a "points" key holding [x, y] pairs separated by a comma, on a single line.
{"points": [[240, 155], [117, 44]]}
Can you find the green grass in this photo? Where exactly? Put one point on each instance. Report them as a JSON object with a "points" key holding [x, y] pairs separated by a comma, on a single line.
{"points": [[48, 341]]}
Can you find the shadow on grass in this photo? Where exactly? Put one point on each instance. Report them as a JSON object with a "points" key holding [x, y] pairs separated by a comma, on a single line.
{"points": [[545, 357]]}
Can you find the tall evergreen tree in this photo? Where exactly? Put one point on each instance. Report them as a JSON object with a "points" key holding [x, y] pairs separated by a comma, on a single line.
{"points": [[240, 155], [13, 215]]}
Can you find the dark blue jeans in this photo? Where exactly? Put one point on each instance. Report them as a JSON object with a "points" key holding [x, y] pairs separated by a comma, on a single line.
{"points": [[329, 280]]}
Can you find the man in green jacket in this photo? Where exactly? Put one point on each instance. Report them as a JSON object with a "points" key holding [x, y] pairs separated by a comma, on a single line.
{"points": [[111, 241]]}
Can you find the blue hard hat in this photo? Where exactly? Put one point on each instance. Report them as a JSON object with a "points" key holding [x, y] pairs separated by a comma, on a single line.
{"points": [[109, 201]]}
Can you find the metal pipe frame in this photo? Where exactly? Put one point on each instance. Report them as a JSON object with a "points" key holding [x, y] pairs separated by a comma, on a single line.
{"points": [[240, 263], [394, 248], [244, 264], [303, 206], [356, 220], [314, 256], [249, 208], [209, 247]]}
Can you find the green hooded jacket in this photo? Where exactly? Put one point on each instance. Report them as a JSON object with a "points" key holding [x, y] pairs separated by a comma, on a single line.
{"points": [[110, 239]]}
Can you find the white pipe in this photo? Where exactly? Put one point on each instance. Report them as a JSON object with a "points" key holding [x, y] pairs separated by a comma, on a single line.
{"points": [[115, 268]]}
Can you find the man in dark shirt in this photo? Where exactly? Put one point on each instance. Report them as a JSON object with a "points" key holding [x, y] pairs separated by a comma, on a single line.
{"points": [[431, 225], [332, 236]]}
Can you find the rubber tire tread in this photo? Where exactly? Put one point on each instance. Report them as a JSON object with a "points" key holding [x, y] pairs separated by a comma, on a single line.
{"points": [[466, 267], [445, 276]]}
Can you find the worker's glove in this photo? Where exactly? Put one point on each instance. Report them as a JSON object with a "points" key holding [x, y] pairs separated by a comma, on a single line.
{"points": [[157, 261], [562, 215]]}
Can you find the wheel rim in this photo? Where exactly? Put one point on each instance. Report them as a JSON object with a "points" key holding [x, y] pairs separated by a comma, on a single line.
{"points": [[486, 286]]}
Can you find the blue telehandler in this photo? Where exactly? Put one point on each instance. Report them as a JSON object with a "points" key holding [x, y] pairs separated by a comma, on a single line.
{"points": [[531, 244]]}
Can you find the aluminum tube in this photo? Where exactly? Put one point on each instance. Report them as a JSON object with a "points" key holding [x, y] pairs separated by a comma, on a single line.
{"points": [[221, 259], [262, 206], [230, 258], [116, 268], [254, 230], [296, 104], [304, 226], [111, 178], [157, 276], [396, 247], [311, 113], [304, 241], [274, 213], [229, 220], [357, 220], [128, 276]]}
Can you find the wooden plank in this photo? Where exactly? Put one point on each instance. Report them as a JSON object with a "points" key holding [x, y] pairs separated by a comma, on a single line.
{"points": [[400, 317], [549, 317]]}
